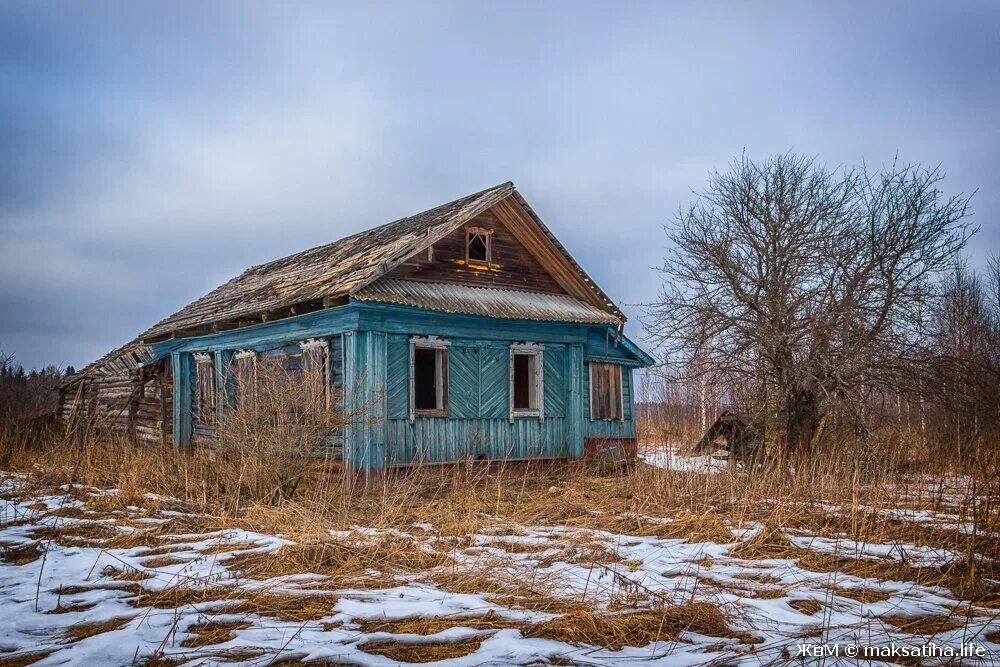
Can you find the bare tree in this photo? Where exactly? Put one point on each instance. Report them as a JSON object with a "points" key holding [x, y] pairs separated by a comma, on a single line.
{"points": [[801, 285], [962, 360]]}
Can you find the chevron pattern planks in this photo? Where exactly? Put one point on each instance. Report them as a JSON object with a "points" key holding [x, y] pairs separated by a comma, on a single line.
{"points": [[555, 381], [463, 382], [397, 383], [494, 367]]}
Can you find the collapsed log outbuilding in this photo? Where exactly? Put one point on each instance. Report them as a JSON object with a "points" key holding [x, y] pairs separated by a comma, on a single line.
{"points": [[735, 433], [465, 331]]}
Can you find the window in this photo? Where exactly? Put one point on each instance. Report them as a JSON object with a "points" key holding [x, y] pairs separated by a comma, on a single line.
{"points": [[477, 245], [526, 377], [245, 379], [204, 370], [315, 375], [605, 391], [428, 377]]}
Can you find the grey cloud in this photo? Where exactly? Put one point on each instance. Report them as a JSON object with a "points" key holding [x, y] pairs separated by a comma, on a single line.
{"points": [[148, 152]]}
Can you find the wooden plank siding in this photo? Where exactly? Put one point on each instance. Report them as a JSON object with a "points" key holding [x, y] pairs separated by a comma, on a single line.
{"points": [[369, 371], [478, 424], [512, 266], [370, 361], [437, 440]]}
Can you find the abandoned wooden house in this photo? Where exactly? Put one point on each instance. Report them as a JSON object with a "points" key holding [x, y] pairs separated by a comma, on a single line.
{"points": [[466, 331]]}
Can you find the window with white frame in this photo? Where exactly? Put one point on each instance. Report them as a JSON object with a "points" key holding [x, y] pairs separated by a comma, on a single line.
{"points": [[428, 376], [244, 378], [527, 376], [316, 375], [606, 392]]}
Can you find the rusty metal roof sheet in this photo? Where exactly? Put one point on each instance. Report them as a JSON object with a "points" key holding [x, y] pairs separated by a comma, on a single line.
{"points": [[487, 301]]}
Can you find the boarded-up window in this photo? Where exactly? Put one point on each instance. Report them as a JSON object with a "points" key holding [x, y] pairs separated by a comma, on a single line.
{"points": [[605, 391], [316, 376], [204, 405]]}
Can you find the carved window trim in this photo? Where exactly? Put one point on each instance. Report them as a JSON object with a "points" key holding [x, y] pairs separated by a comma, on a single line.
{"points": [[440, 347], [244, 378], [537, 382]]}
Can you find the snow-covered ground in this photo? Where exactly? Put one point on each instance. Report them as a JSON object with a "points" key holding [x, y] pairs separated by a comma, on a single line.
{"points": [[668, 456], [68, 595]]}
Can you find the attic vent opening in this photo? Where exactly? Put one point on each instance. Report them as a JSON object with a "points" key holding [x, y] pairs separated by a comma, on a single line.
{"points": [[477, 245]]}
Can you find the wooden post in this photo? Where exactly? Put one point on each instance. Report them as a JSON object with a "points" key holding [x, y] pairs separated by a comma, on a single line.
{"points": [[181, 364], [574, 400]]}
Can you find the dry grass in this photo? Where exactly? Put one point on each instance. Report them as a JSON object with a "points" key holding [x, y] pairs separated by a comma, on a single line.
{"points": [[126, 574], [213, 632], [21, 555], [61, 608], [23, 659], [81, 631], [863, 595], [459, 504], [769, 542], [425, 652], [84, 533], [224, 547], [808, 607], [925, 625], [130, 588], [163, 561], [174, 597], [341, 558], [69, 512], [614, 631], [582, 625], [284, 606], [431, 625]]}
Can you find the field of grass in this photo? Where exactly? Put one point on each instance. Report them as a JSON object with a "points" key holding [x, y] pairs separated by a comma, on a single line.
{"points": [[151, 557]]}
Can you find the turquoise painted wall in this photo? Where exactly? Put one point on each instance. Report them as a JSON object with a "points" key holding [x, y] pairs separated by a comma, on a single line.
{"points": [[369, 352], [478, 423]]}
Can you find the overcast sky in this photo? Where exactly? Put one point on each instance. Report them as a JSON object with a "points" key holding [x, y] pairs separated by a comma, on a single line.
{"points": [[150, 152]]}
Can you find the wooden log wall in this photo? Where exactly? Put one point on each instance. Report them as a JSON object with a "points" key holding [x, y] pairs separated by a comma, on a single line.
{"points": [[137, 405]]}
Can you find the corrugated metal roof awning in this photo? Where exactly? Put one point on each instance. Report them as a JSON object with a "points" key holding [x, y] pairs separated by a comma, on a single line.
{"points": [[487, 301]]}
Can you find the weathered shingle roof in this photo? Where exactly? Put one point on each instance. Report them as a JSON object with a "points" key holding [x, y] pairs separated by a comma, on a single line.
{"points": [[488, 301], [327, 271], [347, 266]]}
